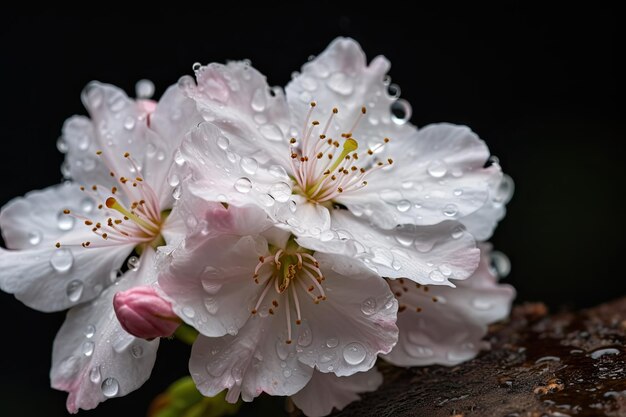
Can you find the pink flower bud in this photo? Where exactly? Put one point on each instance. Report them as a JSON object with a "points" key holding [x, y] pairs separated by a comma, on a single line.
{"points": [[145, 314]]}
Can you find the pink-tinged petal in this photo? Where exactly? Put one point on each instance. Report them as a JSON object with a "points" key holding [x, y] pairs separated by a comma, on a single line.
{"points": [[210, 281], [172, 118], [93, 358], [221, 175], [236, 98], [426, 254], [437, 174], [252, 362], [37, 219], [340, 78], [143, 313], [344, 333], [326, 392], [449, 330], [53, 279]]}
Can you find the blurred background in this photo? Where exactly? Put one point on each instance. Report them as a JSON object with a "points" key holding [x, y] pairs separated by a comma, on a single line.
{"points": [[539, 86]]}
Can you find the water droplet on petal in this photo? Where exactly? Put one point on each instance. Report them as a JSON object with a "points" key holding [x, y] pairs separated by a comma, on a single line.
{"points": [[437, 276], [278, 171], [403, 206], [407, 184], [74, 290], [189, 312], [340, 83], [129, 123], [501, 264], [65, 222], [94, 374], [282, 350], [400, 111], [173, 180], [354, 353], [34, 237], [305, 337], [369, 307], [211, 305], [223, 143], [393, 89], [457, 232], [332, 342], [62, 260], [267, 200], [90, 330], [144, 89], [136, 351], [450, 210], [437, 168], [249, 165], [271, 132], [445, 270], [458, 192], [287, 373], [505, 189], [62, 145], [133, 263], [243, 185], [179, 158], [88, 348], [87, 205], [177, 192], [280, 191], [258, 102], [110, 387], [196, 66], [114, 275]]}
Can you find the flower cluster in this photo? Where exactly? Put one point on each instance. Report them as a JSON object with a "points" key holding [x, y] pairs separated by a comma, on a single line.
{"points": [[303, 232]]}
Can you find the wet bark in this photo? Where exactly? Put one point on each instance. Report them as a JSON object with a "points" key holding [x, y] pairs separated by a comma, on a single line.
{"points": [[566, 364]]}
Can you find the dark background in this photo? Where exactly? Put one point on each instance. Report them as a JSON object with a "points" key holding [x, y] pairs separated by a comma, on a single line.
{"points": [[540, 86]]}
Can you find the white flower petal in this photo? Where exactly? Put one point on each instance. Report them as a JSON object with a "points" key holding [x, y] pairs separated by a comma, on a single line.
{"points": [[219, 174], [344, 333], [436, 175], [93, 357], [51, 279], [37, 219], [210, 282], [326, 392], [450, 330], [237, 99], [174, 115], [249, 363], [424, 254], [482, 223]]}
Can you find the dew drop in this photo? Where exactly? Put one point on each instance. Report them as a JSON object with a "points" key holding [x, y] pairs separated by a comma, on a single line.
{"points": [[403, 206], [267, 200], [65, 222], [437, 168], [133, 263], [332, 342], [278, 171], [211, 305], [173, 180], [90, 330], [223, 143], [293, 206], [160, 155], [110, 387], [34, 237], [243, 185], [129, 123], [369, 307], [445, 270], [282, 350], [179, 158], [340, 83], [437, 276], [500, 263], [458, 192], [305, 337], [62, 145], [400, 111], [280, 191], [62, 260], [144, 89], [177, 192], [74, 290], [287, 373], [136, 351], [249, 165], [457, 232], [87, 205], [196, 66], [393, 89], [271, 132], [94, 374], [407, 184], [354, 353], [189, 312], [258, 102], [450, 210], [114, 275], [505, 189], [88, 348], [404, 239]]}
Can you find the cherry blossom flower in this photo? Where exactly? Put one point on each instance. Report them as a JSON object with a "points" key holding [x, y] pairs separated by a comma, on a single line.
{"points": [[442, 325], [269, 310], [66, 244], [336, 140]]}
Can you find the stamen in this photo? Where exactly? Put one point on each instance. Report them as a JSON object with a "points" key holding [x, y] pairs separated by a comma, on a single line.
{"points": [[112, 203]]}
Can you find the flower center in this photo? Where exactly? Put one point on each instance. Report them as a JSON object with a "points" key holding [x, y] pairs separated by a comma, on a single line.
{"points": [[323, 167], [138, 222], [288, 275]]}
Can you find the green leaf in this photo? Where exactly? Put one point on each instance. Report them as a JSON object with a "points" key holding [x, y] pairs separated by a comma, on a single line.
{"points": [[186, 334]]}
